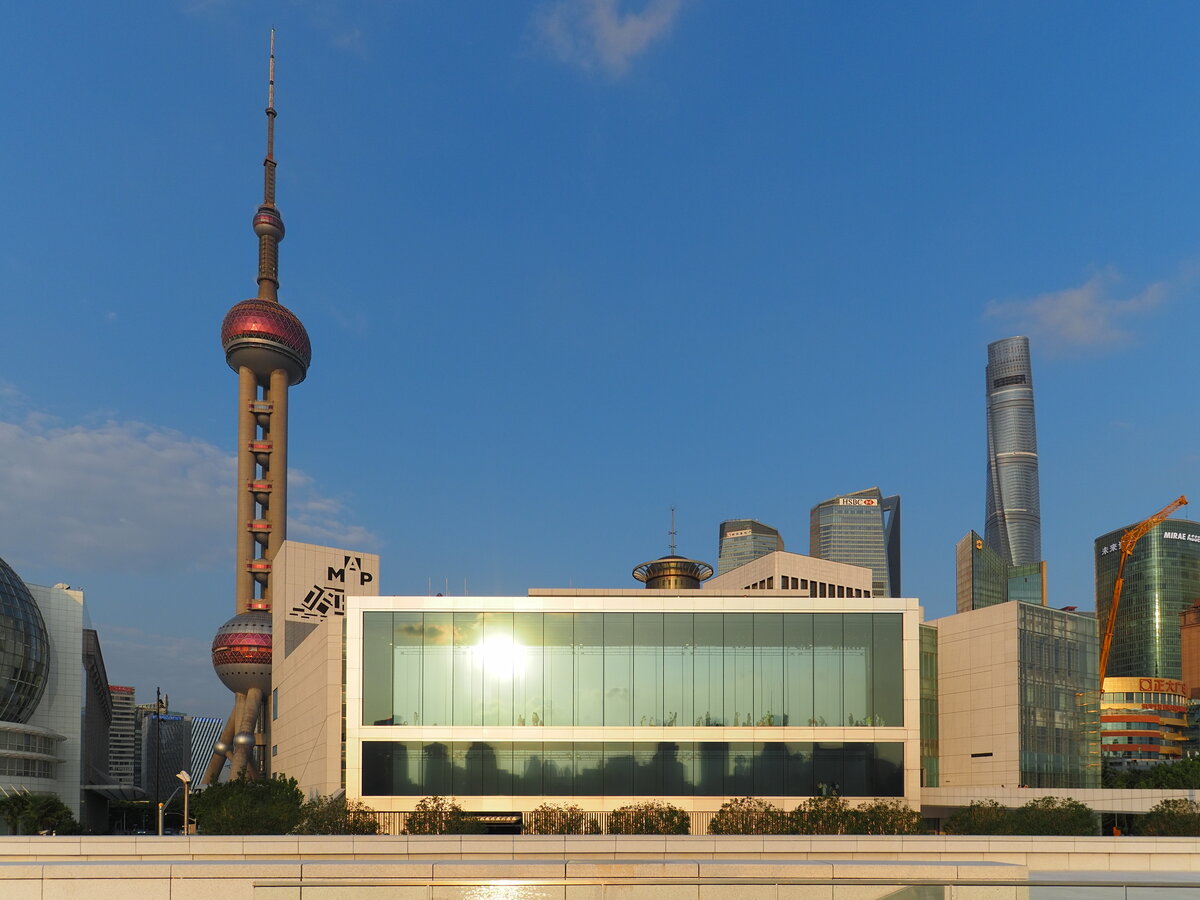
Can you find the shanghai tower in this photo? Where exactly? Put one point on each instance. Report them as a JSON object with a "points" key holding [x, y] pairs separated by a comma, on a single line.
{"points": [[1014, 517]]}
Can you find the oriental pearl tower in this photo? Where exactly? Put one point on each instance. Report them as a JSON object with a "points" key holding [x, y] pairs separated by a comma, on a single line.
{"points": [[268, 348]]}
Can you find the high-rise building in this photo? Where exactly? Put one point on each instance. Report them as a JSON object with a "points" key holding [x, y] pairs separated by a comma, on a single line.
{"points": [[1010, 681], [122, 737], [983, 578], [741, 540], [1162, 579], [165, 740], [268, 348], [1014, 518], [206, 731], [860, 529]]}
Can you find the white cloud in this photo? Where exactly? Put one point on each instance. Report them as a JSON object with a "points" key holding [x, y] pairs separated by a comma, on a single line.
{"points": [[597, 34], [1088, 316], [133, 498]]}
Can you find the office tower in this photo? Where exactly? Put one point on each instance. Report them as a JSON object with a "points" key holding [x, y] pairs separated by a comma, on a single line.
{"points": [[984, 578], [1162, 580], [122, 740], [206, 731], [860, 529], [268, 348], [1014, 518], [741, 540], [1189, 641], [165, 748]]}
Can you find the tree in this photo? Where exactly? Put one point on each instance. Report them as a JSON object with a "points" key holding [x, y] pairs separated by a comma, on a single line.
{"points": [[336, 815], [1183, 774], [248, 806], [822, 815], [27, 813], [748, 815], [441, 815], [1171, 818], [1054, 815], [649, 817], [551, 818], [981, 817], [886, 817]]}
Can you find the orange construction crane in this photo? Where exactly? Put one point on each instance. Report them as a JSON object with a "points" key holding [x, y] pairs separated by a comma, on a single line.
{"points": [[1128, 541]]}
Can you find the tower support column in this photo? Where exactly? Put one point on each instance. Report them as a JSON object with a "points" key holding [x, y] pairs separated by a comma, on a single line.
{"points": [[246, 432]]}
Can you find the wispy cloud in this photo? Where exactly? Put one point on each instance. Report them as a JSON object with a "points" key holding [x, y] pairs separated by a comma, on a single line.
{"points": [[130, 497], [1092, 315], [597, 34]]}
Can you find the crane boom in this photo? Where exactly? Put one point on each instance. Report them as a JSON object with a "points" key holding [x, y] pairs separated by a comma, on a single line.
{"points": [[1128, 541]]}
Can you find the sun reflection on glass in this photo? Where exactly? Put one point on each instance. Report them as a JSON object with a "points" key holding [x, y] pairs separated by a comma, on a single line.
{"points": [[502, 657]]}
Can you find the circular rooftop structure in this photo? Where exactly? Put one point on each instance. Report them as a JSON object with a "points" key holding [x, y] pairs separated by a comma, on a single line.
{"points": [[673, 573], [265, 335], [24, 649]]}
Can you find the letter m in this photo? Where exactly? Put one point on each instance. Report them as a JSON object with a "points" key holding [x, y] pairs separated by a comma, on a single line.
{"points": [[336, 574]]}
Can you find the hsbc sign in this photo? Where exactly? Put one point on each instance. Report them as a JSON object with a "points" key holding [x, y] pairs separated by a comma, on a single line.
{"points": [[857, 501]]}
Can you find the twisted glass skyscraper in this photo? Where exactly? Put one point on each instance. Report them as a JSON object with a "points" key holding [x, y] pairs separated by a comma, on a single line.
{"points": [[1014, 516]]}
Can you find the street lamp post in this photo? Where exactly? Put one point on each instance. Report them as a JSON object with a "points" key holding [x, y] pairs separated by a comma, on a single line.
{"points": [[187, 790]]}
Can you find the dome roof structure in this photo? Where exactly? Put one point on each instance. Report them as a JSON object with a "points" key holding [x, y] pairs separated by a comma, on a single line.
{"points": [[24, 649], [265, 335]]}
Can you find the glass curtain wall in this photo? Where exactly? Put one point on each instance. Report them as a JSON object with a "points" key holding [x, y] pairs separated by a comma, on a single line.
{"points": [[632, 769], [632, 669]]}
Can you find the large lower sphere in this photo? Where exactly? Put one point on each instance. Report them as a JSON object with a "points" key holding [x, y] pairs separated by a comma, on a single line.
{"points": [[241, 652], [24, 649]]}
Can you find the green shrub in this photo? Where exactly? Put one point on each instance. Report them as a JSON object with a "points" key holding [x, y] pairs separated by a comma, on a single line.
{"points": [[650, 817], [748, 815], [981, 817], [248, 806], [441, 815], [823, 815], [1171, 818], [552, 818], [336, 815], [886, 817], [1055, 815]]}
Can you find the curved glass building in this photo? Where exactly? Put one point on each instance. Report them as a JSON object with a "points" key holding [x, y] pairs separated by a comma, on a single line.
{"points": [[1162, 580], [1014, 517]]}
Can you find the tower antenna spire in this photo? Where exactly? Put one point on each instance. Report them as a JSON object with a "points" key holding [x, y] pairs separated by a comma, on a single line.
{"points": [[268, 224], [672, 533]]}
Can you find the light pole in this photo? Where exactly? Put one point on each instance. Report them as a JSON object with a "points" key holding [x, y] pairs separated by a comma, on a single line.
{"points": [[187, 789]]}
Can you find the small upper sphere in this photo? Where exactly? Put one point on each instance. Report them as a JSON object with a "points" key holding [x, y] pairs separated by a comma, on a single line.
{"points": [[267, 221], [264, 335], [24, 649]]}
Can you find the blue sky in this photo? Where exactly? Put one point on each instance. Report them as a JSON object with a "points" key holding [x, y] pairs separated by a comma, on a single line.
{"points": [[567, 263]]}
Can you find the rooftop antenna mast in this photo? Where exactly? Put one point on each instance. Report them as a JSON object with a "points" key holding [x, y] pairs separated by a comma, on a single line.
{"points": [[673, 534]]}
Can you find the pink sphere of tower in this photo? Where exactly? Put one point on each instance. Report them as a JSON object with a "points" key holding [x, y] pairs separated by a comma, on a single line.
{"points": [[241, 652], [265, 335]]}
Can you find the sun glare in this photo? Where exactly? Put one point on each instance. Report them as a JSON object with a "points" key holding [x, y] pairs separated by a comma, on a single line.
{"points": [[502, 657]]}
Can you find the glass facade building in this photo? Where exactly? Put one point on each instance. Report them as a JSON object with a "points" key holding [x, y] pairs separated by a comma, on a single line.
{"points": [[1162, 580], [1143, 721], [860, 529], [983, 578], [1058, 669], [1014, 517], [572, 669], [599, 697], [741, 540]]}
